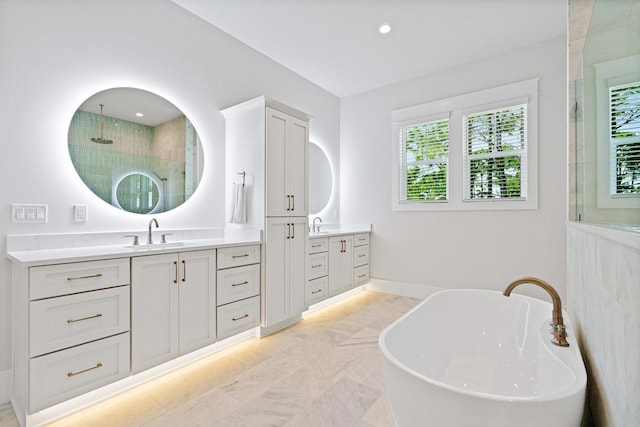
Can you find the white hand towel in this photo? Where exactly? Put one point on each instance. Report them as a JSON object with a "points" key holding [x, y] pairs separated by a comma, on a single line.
{"points": [[238, 205]]}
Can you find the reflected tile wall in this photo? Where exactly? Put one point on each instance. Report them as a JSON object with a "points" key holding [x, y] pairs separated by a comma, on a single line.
{"points": [[603, 289]]}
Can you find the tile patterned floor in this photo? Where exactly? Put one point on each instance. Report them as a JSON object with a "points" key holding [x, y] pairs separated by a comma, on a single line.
{"points": [[323, 371]]}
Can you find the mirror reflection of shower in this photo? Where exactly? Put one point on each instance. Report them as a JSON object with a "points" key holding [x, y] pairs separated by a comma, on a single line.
{"points": [[163, 190]]}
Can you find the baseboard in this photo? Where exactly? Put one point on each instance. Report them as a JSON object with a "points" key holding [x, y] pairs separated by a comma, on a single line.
{"points": [[5, 386], [413, 290]]}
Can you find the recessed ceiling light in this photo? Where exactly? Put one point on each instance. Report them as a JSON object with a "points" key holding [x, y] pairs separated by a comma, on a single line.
{"points": [[139, 114], [384, 28]]}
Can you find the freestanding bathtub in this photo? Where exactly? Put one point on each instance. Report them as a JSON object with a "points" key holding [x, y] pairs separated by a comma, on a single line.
{"points": [[477, 358]]}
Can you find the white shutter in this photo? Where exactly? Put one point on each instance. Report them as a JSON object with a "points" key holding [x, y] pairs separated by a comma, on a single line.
{"points": [[495, 154], [624, 134], [424, 155]]}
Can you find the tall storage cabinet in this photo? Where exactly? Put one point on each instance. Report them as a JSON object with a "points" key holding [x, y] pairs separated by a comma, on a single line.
{"points": [[269, 142]]}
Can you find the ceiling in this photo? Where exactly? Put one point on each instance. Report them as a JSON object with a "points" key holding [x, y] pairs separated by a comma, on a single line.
{"points": [[336, 43]]}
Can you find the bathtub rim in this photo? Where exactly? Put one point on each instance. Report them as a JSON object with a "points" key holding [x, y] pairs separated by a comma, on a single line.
{"points": [[578, 386]]}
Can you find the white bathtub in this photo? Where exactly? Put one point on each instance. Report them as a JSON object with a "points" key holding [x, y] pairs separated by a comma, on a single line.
{"points": [[478, 358]]}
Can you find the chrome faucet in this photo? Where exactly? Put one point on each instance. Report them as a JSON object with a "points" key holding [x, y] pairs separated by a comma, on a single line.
{"points": [[558, 330], [149, 236], [316, 227]]}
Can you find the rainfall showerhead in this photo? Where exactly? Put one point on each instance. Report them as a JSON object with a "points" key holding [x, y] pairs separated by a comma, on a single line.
{"points": [[101, 139]]}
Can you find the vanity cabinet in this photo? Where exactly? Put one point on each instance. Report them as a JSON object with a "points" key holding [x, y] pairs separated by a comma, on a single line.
{"points": [[173, 299], [317, 286], [340, 264], [286, 159], [71, 331], [238, 290], [285, 244]]}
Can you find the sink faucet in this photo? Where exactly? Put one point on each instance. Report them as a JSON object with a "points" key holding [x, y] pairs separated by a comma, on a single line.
{"points": [[316, 227], [149, 236], [557, 325]]}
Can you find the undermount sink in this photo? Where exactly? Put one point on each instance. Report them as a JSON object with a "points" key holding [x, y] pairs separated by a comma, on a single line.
{"points": [[155, 246]]}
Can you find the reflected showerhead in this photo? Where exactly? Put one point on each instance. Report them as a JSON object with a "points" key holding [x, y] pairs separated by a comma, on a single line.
{"points": [[101, 139]]}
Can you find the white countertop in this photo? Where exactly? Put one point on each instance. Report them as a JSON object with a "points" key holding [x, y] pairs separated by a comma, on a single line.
{"points": [[339, 230], [35, 250]]}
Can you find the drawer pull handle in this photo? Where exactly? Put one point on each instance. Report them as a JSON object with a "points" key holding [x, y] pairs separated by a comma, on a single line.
{"points": [[240, 284], [315, 292], [239, 256], [361, 255], [316, 266], [238, 318], [316, 246], [95, 316], [92, 276], [71, 374], [361, 276]]}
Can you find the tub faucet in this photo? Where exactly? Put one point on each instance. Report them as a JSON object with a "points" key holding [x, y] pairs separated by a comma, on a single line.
{"points": [[316, 227], [558, 329], [149, 236]]}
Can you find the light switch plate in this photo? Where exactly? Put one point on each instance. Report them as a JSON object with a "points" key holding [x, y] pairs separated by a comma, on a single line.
{"points": [[80, 213], [29, 214]]}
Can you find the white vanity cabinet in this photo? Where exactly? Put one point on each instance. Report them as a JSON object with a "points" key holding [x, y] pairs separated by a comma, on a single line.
{"points": [[317, 287], [286, 159], [238, 290], [283, 295], [361, 259], [173, 298], [340, 264], [71, 330]]}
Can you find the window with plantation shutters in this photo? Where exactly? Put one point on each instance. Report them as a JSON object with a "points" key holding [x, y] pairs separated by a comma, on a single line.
{"points": [[476, 151], [424, 150], [495, 153], [624, 135]]}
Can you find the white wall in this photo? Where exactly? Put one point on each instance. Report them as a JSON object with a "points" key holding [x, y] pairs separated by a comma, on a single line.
{"points": [[55, 54], [460, 249]]}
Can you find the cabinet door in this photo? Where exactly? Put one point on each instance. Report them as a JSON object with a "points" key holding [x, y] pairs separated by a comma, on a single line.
{"points": [[197, 300], [154, 310], [278, 198], [287, 141], [340, 264], [283, 296], [298, 146]]}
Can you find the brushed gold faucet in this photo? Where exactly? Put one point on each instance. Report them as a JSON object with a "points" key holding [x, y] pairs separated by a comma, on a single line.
{"points": [[558, 330]]}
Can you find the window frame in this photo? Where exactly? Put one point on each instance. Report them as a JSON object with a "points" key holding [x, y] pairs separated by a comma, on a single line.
{"points": [[608, 75], [523, 92]]}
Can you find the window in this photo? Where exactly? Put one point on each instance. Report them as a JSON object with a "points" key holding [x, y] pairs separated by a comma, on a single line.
{"points": [[424, 150], [495, 153], [472, 152], [624, 134], [617, 137]]}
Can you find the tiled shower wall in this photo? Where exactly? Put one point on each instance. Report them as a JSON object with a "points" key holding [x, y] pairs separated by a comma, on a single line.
{"points": [[603, 292]]}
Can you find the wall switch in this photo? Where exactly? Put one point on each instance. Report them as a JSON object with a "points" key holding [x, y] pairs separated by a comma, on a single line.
{"points": [[80, 213], [33, 214]]}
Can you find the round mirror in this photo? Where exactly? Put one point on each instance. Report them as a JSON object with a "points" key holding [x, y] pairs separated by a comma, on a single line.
{"points": [[320, 179], [135, 150], [137, 193]]}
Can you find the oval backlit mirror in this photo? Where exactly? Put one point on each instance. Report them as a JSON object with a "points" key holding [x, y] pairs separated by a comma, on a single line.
{"points": [[135, 150]]}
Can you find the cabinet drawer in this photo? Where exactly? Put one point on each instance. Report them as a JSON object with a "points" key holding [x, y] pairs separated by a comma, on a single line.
{"points": [[361, 275], [238, 283], [62, 375], [361, 239], [317, 265], [360, 255], [317, 245], [62, 322], [237, 256], [63, 279], [238, 316], [316, 290]]}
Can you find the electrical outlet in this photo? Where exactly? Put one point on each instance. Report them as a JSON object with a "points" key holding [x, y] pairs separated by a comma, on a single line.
{"points": [[80, 213]]}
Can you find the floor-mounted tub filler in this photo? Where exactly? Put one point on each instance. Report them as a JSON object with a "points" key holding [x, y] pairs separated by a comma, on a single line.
{"points": [[479, 358]]}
